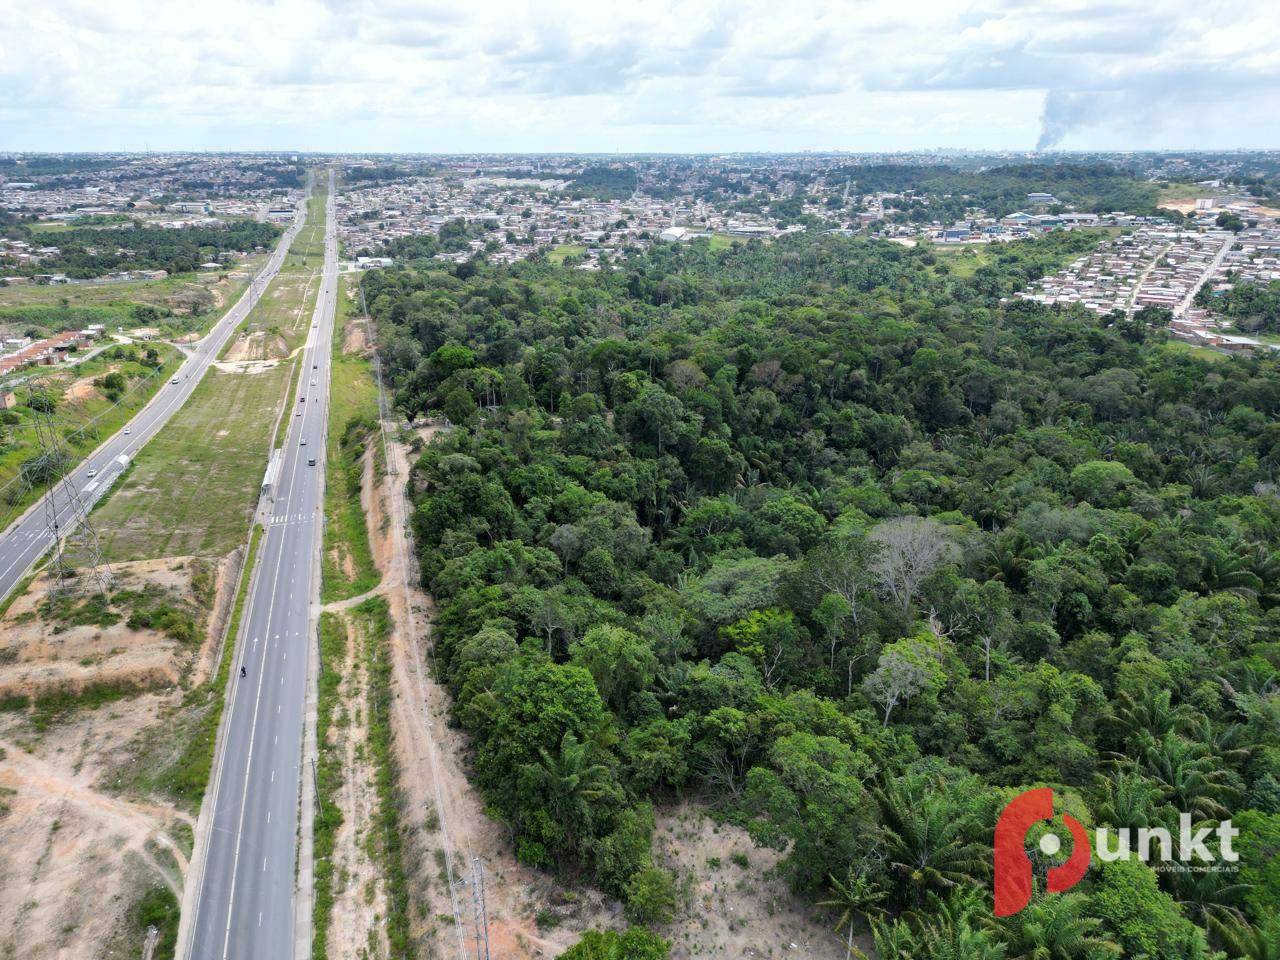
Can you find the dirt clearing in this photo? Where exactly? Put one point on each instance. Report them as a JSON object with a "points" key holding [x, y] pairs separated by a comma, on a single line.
{"points": [[80, 845], [150, 633], [73, 857]]}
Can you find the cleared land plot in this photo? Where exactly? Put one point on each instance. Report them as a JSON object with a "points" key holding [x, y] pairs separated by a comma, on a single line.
{"points": [[192, 490], [195, 300]]}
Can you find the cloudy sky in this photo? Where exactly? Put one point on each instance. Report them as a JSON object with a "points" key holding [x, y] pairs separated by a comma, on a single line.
{"points": [[662, 75]]}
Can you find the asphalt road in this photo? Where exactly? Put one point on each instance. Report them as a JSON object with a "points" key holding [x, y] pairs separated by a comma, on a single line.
{"points": [[28, 537], [244, 898]]}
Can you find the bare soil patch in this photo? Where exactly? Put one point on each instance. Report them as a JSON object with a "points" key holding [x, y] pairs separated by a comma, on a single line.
{"points": [[246, 366], [357, 337], [73, 857], [257, 345], [78, 845], [736, 907], [83, 389], [41, 653]]}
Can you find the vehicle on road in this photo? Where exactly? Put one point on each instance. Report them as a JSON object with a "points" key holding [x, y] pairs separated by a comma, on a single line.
{"points": [[92, 474], [174, 380], [127, 431], [304, 442], [311, 461]]}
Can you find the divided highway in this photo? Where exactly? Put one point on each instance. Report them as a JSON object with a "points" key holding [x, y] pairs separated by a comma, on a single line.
{"points": [[243, 872], [28, 538]]}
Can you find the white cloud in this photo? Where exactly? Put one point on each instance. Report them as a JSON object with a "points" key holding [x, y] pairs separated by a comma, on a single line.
{"points": [[568, 75]]}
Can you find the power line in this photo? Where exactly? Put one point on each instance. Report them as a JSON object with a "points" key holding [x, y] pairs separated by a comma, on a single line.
{"points": [[69, 524]]}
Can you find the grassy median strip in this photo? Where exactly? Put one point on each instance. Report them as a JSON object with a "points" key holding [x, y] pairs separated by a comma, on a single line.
{"points": [[194, 487]]}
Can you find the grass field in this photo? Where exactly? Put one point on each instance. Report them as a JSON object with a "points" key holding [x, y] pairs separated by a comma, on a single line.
{"points": [[348, 568], [558, 254], [722, 241], [964, 259], [1183, 191], [193, 488], [1204, 353]]}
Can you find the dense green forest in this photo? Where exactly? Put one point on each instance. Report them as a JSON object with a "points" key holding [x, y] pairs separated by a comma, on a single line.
{"points": [[832, 539], [1096, 188], [87, 252], [603, 182], [1251, 307]]}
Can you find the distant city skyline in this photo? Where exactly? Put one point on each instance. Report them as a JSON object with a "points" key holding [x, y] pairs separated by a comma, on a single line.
{"points": [[400, 76]]}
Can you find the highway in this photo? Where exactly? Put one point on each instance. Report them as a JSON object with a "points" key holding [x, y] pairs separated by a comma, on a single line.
{"points": [[28, 538], [243, 871]]}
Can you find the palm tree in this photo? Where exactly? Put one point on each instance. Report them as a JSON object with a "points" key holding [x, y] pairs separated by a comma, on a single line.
{"points": [[924, 840], [1266, 567], [942, 930], [1232, 572], [853, 895], [572, 782], [1245, 941], [1205, 894], [1055, 928], [1188, 777], [1127, 800], [1138, 723]]}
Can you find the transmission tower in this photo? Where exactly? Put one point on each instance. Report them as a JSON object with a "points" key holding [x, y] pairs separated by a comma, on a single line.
{"points": [[482, 914], [66, 515]]}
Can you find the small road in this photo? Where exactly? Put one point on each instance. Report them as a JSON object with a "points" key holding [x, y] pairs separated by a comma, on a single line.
{"points": [[1185, 304], [1131, 304], [245, 876], [28, 538]]}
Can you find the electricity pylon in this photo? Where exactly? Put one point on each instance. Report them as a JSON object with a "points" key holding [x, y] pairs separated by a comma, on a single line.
{"points": [[66, 515]]}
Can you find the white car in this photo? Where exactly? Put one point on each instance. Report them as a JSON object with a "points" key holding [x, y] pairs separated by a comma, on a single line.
{"points": [[94, 473], [304, 441], [128, 430]]}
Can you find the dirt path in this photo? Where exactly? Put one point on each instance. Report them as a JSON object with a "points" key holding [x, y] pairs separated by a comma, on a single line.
{"points": [[135, 823], [337, 606], [74, 857]]}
